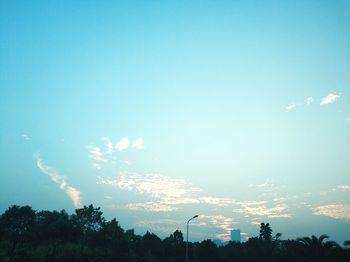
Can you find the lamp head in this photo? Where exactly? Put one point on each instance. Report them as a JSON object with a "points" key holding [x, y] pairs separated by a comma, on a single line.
{"points": [[195, 216]]}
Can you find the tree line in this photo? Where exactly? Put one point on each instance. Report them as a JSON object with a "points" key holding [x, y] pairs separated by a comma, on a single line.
{"points": [[29, 235]]}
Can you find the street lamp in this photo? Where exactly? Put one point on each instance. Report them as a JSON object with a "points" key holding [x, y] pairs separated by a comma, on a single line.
{"points": [[187, 236]]}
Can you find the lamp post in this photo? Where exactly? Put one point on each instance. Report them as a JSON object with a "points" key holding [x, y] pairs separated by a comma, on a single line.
{"points": [[187, 236]]}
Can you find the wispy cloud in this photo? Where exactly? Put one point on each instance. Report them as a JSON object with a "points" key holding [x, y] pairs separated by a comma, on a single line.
{"points": [[25, 136], [218, 221], [73, 193], [97, 166], [106, 154], [336, 211], [256, 221], [122, 144], [290, 107], [162, 225], [109, 145], [151, 207], [166, 190], [224, 224], [96, 154], [329, 99], [217, 201], [168, 193], [343, 187], [309, 100], [260, 209], [266, 186], [348, 119], [138, 143]]}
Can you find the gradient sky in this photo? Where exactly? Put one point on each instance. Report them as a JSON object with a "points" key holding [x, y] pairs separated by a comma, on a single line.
{"points": [[156, 111]]}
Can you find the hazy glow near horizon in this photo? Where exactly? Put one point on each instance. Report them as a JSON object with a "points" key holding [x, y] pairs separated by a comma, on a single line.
{"points": [[238, 111]]}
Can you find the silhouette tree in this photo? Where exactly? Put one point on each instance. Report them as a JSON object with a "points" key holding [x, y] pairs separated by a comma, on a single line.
{"points": [[317, 249], [152, 246], [265, 232], [135, 244], [174, 247], [207, 251], [111, 237], [89, 220], [55, 229], [27, 235], [17, 223], [347, 243]]}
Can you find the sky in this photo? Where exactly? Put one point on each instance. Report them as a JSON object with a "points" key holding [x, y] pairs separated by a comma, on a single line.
{"points": [[156, 111]]}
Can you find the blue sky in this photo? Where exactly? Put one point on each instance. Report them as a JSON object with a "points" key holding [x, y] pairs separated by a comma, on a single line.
{"points": [[238, 111]]}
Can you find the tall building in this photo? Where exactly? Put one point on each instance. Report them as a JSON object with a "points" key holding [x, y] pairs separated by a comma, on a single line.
{"points": [[236, 235]]}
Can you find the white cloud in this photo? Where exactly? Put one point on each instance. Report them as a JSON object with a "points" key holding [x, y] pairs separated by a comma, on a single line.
{"points": [[109, 145], [122, 144], [348, 119], [151, 207], [343, 187], [97, 166], [329, 99], [256, 221], [217, 221], [109, 148], [267, 185], [167, 190], [25, 136], [309, 100], [290, 107], [73, 193], [260, 209], [217, 201], [96, 154], [167, 193], [336, 211], [138, 143], [164, 225]]}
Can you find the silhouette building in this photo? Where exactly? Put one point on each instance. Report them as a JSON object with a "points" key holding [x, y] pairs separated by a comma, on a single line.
{"points": [[236, 235]]}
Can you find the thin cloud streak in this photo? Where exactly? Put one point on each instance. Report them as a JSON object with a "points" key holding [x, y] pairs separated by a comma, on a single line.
{"points": [[291, 107], [96, 154], [73, 193], [151, 207], [163, 225]]}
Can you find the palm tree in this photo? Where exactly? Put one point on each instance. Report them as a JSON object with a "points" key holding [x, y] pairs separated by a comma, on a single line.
{"points": [[347, 243], [317, 249]]}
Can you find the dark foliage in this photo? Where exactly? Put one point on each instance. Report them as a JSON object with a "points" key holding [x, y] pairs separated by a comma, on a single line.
{"points": [[27, 235]]}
